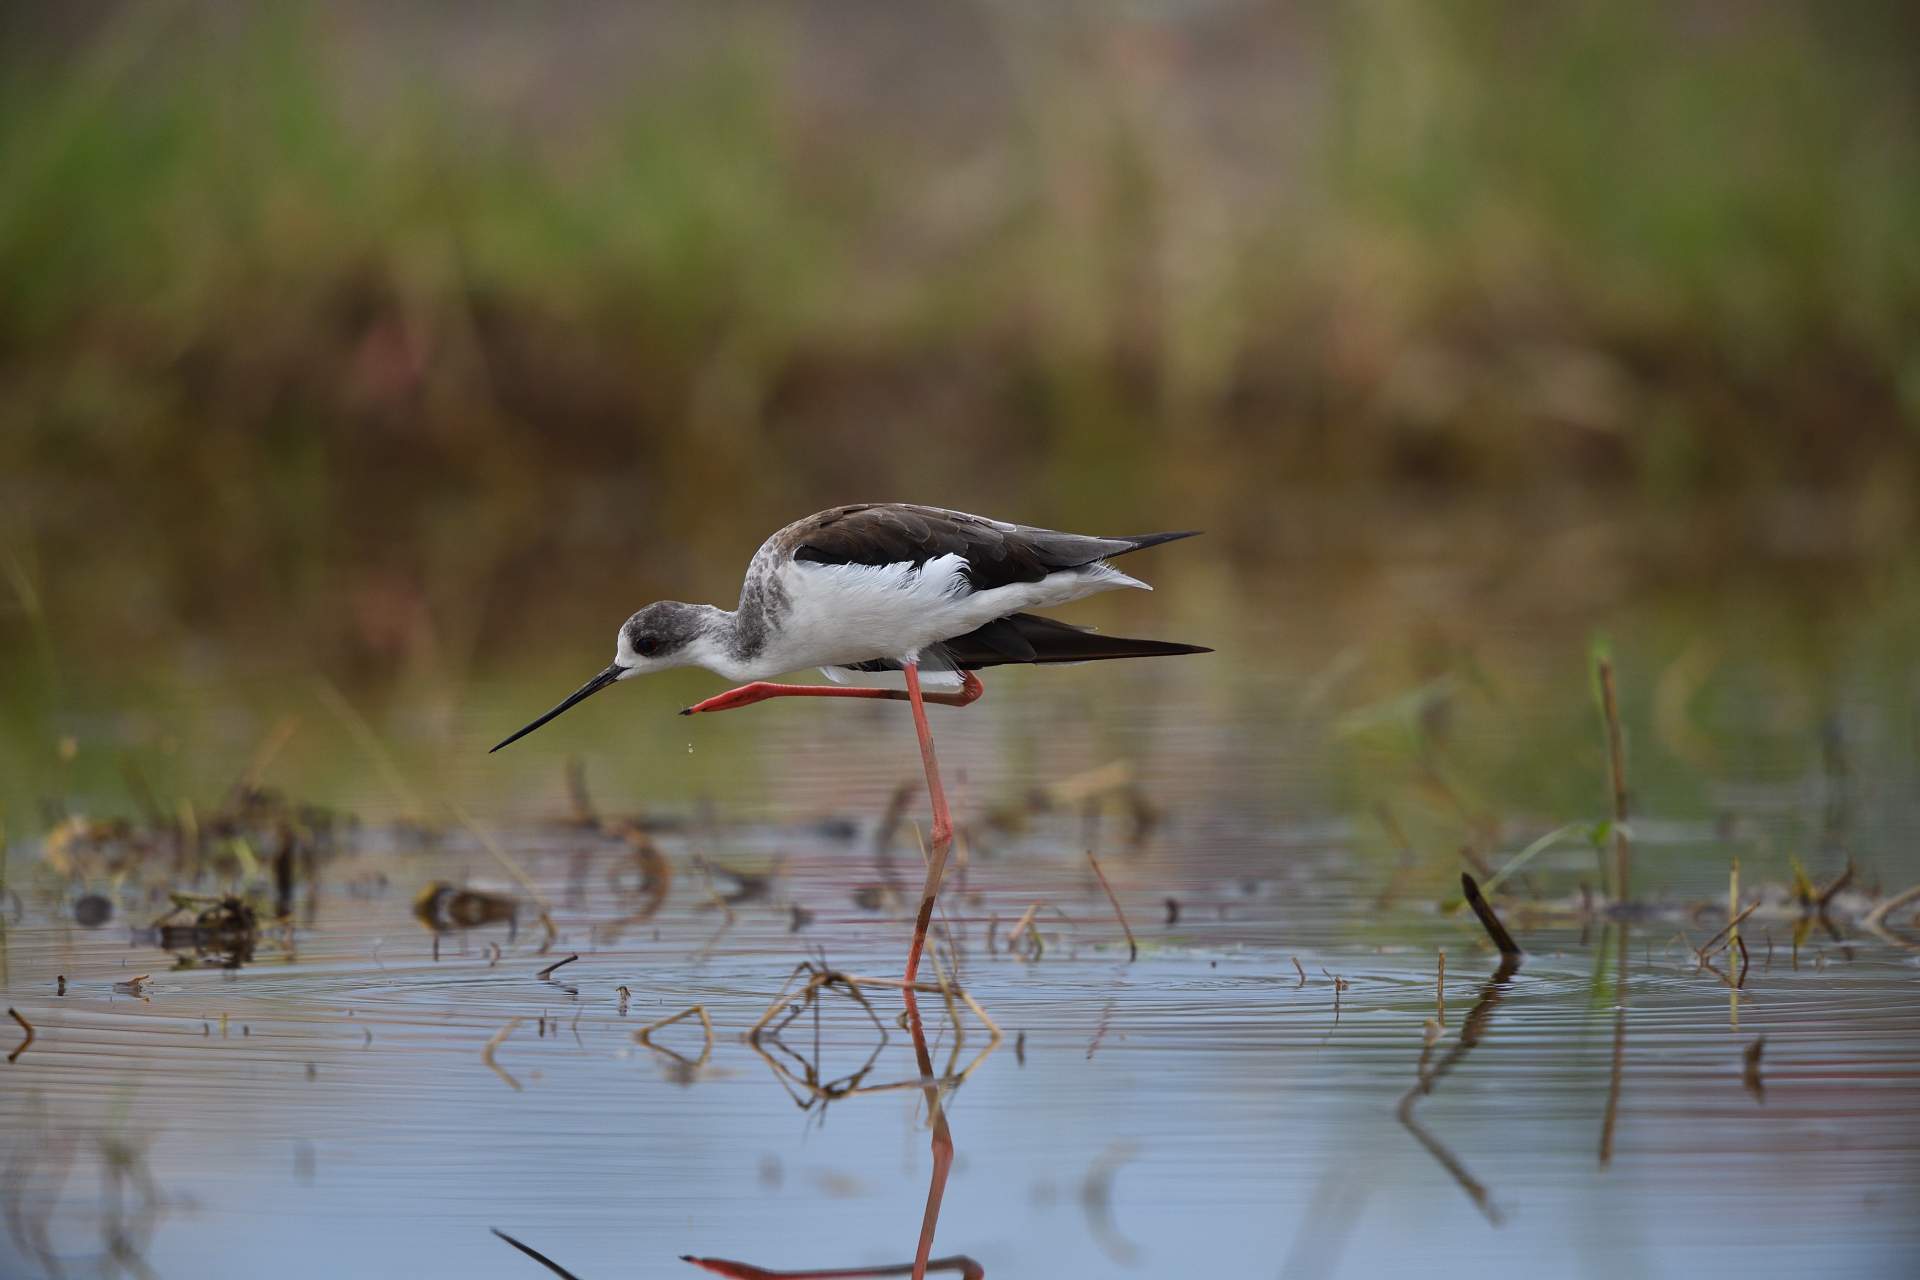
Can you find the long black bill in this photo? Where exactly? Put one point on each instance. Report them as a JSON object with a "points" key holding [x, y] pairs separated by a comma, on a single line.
{"points": [[579, 695]]}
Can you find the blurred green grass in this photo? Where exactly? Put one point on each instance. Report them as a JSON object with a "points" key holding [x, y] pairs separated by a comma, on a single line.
{"points": [[295, 344]]}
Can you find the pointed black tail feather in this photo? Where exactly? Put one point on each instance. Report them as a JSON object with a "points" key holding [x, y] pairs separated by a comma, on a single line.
{"points": [[1027, 637], [1141, 541]]}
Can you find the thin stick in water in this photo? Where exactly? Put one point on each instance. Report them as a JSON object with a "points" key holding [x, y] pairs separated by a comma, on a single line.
{"points": [[1710, 946], [1026, 919], [24, 1026], [1133, 948], [1488, 921], [548, 971], [1617, 770]]}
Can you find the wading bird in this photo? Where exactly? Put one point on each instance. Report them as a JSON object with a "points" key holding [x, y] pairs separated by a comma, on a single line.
{"points": [[866, 591]]}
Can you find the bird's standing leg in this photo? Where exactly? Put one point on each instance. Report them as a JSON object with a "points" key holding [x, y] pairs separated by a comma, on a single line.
{"points": [[941, 837], [760, 690]]}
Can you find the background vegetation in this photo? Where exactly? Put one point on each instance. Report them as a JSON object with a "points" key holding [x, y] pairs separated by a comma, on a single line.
{"points": [[371, 341]]}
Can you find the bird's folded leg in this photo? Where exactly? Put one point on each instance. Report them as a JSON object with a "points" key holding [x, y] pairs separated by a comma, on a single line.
{"points": [[760, 690]]}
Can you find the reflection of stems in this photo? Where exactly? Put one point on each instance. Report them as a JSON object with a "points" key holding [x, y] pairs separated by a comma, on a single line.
{"points": [[1471, 1030], [1097, 1197], [1876, 921], [1619, 1053], [486, 1054]]}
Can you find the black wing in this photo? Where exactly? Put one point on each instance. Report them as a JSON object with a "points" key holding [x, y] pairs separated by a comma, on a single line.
{"points": [[997, 553], [1028, 637]]}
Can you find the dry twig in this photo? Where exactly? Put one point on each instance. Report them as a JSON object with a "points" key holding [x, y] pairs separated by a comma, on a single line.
{"points": [[24, 1026], [1133, 948]]}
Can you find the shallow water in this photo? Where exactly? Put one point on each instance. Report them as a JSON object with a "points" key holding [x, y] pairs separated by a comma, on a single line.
{"points": [[1209, 1108], [341, 1119]]}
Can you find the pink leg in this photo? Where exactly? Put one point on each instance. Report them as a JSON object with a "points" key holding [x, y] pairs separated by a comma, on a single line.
{"points": [[942, 1135], [941, 836], [941, 840], [761, 690]]}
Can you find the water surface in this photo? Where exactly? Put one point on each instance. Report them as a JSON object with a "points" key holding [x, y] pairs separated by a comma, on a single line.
{"points": [[1244, 1098]]}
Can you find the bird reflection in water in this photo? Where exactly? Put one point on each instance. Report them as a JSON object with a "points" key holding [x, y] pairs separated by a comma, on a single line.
{"points": [[932, 1087], [801, 1077]]}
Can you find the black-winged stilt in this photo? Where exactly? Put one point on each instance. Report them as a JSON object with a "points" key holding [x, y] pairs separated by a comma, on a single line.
{"points": [[886, 587]]}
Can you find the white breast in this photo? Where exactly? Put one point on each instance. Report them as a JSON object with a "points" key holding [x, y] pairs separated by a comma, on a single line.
{"points": [[841, 614]]}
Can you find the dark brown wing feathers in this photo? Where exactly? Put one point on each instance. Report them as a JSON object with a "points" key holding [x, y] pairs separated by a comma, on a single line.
{"points": [[1028, 637], [997, 554]]}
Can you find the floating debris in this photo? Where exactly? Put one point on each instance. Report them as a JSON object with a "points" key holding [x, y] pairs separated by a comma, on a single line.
{"points": [[24, 1026], [444, 908], [225, 932], [85, 848], [1340, 984]]}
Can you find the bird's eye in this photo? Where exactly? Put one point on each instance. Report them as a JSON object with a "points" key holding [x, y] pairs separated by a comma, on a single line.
{"points": [[645, 646]]}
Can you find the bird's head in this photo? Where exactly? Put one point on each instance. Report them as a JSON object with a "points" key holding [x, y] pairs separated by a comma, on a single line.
{"points": [[664, 635]]}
